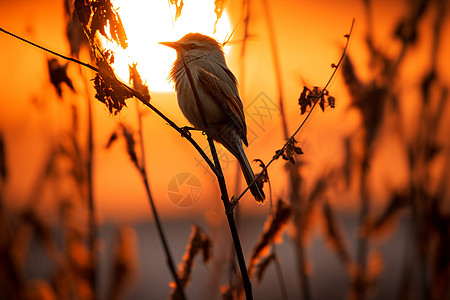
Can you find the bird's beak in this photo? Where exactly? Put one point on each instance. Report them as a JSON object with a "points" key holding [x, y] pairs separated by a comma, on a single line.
{"points": [[173, 45]]}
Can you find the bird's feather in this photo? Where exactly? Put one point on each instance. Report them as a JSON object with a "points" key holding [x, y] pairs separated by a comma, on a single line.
{"points": [[215, 78]]}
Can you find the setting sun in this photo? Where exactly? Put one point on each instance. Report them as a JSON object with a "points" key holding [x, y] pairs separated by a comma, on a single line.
{"points": [[148, 22]]}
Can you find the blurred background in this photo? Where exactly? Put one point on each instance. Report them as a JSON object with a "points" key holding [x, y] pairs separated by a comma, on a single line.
{"points": [[369, 200]]}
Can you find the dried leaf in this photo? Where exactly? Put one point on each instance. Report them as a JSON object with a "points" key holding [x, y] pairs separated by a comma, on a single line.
{"points": [[58, 75], [303, 101], [125, 261], [74, 30], [398, 201], [370, 98], [104, 14], [309, 97], [289, 151], [41, 229], [331, 101], [83, 12], [179, 6], [264, 177], [198, 242], [219, 6], [322, 103], [38, 289], [138, 85], [131, 143], [273, 229], [262, 266], [375, 265], [110, 90], [407, 28], [228, 293], [335, 235], [96, 15], [112, 138]]}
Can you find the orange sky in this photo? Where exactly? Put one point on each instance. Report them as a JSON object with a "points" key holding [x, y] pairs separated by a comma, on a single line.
{"points": [[310, 37]]}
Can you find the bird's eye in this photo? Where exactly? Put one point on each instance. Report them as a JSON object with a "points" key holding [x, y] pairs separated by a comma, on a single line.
{"points": [[192, 46]]}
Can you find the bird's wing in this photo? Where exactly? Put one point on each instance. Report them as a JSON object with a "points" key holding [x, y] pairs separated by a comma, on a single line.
{"points": [[219, 82]]}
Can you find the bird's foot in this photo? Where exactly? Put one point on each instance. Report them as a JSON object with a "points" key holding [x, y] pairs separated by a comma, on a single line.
{"points": [[186, 130]]}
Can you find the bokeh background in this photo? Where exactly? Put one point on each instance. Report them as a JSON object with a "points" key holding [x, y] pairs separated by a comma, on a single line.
{"points": [[379, 159]]}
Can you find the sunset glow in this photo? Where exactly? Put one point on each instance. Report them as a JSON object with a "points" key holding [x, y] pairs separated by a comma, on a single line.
{"points": [[148, 22]]}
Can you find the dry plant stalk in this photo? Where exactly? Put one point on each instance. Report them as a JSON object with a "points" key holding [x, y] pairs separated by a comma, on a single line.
{"points": [[273, 229], [198, 243]]}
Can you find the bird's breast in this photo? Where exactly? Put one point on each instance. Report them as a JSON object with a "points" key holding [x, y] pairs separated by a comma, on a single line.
{"points": [[188, 104]]}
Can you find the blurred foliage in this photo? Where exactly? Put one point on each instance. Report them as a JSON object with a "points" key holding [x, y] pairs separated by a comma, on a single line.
{"points": [[422, 200]]}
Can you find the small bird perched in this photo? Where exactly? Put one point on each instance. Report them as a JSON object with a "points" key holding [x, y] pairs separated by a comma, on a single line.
{"points": [[219, 97]]}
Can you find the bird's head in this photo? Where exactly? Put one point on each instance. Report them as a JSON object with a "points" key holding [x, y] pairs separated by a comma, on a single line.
{"points": [[196, 45]]}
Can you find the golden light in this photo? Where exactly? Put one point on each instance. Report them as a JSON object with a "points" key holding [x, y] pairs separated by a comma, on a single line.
{"points": [[148, 22]]}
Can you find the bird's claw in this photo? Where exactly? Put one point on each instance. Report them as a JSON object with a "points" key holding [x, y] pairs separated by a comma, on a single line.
{"points": [[186, 131], [206, 131]]}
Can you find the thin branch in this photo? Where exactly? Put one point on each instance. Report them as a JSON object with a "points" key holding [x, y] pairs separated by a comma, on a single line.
{"points": [[143, 172], [276, 65], [50, 51], [281, 281], [290, 140], [90, 194]]}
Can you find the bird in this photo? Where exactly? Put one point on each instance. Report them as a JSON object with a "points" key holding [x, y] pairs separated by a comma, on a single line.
{"points": [[218, 94]]}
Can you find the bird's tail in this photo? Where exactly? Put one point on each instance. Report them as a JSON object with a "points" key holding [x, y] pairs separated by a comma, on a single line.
{"points": [[255, 189], [232, 141]]}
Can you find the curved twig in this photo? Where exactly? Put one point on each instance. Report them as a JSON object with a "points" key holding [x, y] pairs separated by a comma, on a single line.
{"points": [[290, 140]]}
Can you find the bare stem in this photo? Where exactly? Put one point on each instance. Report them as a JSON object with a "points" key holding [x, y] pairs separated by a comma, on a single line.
{"points": [[50, 51], [281, 281], [276, 65], [336, 67], [362, 246], [90, 195], [143, 172]]}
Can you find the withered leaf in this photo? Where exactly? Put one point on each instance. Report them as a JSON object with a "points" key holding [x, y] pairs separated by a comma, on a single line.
{"points": [[138, 85], [273, 228], [179, 6], [83, 12], [322, 103], [95, 15], [75, 35], [309, 97], [303, 101], [331, 101], [219, 6], [128, 134], [335, 235], [264, 177], [198, 242], [228, 293], [398, 200], [112, 138], [58, 75], [110, 90], [131, 144], [125, 260], [290, 151], [103, 14], [262, 266]]}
